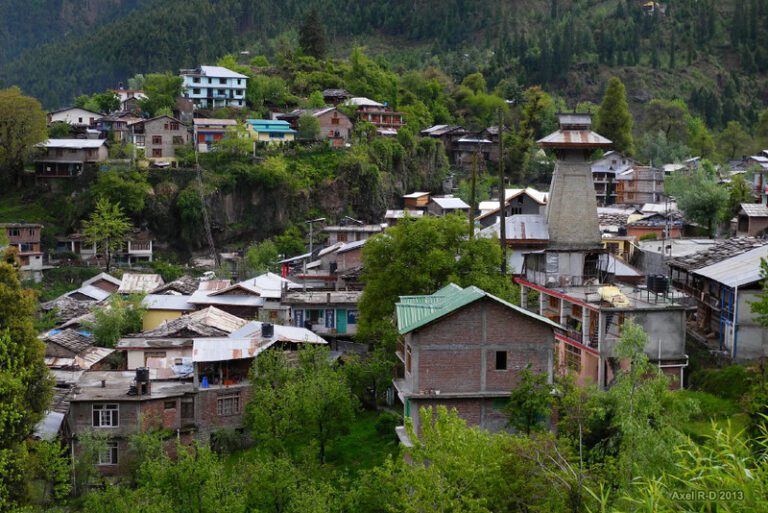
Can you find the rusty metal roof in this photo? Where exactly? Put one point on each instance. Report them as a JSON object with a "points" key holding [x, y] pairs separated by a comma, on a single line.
{"points": [[574, 139]]}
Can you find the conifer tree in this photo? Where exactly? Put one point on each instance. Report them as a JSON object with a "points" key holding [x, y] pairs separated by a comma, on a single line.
{"points": [[312, 35], [614, 120]]}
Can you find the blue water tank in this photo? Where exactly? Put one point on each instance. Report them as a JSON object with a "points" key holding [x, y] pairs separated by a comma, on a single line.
{"points": [[204, 383]]}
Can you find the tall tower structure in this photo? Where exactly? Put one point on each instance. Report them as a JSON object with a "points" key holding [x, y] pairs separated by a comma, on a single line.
{"points": [[574, 232]]}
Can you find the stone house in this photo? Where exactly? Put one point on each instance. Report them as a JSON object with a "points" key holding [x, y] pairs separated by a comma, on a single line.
{"points": [[66, 158], [159, 137], [335, 126], [464, 349]]}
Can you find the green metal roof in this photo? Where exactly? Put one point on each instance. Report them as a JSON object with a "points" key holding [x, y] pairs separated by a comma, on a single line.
{"points": [[416, 311]]}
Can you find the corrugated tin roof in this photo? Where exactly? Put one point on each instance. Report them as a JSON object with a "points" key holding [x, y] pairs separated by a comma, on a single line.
{"points": [[400, 214], [167, 302], [74, 144], [135, 282], [281, 333], [226, 349], [214, 122], [417, 194], [48, 428], [361, 101], [102, 276], [220, 72], [340, 297], [349, 246], [416, 311], [451, 203], [574, 138], [92, 292], [738, 270]]}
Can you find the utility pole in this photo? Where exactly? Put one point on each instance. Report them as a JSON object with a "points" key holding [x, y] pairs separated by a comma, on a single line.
{"points": [[472, 200], [206, 220], [502, 199]]}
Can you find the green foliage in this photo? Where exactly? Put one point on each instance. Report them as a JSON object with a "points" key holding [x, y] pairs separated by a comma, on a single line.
{"points": [[128, 188], [263, 91], [316, 100], [108, 228], [105, 102], [730, 382], [733, 141], [614, 120], [59, 130], [669, 117], [312, 35], [759, 308], [290, 242], [262, 257], [161, 89], [168, 270], [700, 140], [23, 125], [699, 196], [309, 128], [529, 404], [299, 408], [366, 78], [120, 317], [657, 149], [49, 467]]}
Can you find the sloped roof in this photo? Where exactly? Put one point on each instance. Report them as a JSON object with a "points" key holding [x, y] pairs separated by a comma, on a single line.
{"points": [[183, 285], [74, 144], [574, 139], [71, 340], [208, 322], [361, 101], [400, 214], [450, 203], [417, 194], [754, 209], [102, 276], [67, 308], [135, 282], [95, 293], [220, 72], [720, 251], [167, 302], [417, 311], [322, 297], [492, 207], [268, 285], [349, 246], [738, 270], [281, 333]]}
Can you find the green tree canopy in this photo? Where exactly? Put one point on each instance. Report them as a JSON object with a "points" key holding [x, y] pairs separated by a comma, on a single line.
{"points": [[309, 127], [614, 120], [733, 141], [22, 125], [108, 228], [312, 35], [699, 196], [669, 116], [161, 89]]}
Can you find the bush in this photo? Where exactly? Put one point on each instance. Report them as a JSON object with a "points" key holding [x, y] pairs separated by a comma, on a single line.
{"points": [[386, 423], [648, 236], [168, 271], [730, 382]]}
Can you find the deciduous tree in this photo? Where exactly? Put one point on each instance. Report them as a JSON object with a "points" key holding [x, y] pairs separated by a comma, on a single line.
{"points": [[22, 125], [530, 402], [108, 228]]}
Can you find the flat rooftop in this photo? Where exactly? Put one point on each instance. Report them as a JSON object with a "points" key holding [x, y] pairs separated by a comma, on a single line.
{"points": [[637, 297], [116, 385]]}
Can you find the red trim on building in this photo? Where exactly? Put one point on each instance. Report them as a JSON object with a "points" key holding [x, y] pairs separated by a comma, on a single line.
{"points": [[567, 340], [551, 292]]}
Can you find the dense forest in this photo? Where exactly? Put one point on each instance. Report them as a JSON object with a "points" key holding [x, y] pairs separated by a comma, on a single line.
{"points": [[708, 53]]}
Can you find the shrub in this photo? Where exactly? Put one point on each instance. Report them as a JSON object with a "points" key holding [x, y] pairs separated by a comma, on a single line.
{"points": [[730, 382], [386, 423]]}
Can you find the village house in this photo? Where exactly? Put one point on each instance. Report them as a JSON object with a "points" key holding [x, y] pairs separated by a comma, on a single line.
{"points": [[335, 96], [416, 201], [117, 127], [25, 238], [213, 87], [714, 300], [752, 220], [528, 201], [349, 265], [392, 217], [75, 116], [471, 148], [207, 132], [351, 232], [130, 99], [448, 135], [639, 184], [446, 205], [573, 278], [67, 158], [257, 297], [464, 349], [331, 313], [160, 308], [386, 121], [159, 137], [335, 126], [604, 172], [269, 131]]}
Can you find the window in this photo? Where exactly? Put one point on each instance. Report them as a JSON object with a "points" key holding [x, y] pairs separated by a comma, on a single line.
{"points": [[501, 360], [15, 232], [169, 405], [238, 81], [178, 361], [227, 405], [222, 81], [157, 139], [196, 80], [187, 408], [335, 121], [157, 152], [174, 125], [341, 237], [106, 415], [153, 354], [572, 357], [31, 232], [79, 120], [196, 90], [165, 126], [408, 358], [59, 152], [108, 455]]}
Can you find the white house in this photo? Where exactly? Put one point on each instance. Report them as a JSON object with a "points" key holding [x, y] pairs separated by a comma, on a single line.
{"points": [[214, 86], [74, 116]]}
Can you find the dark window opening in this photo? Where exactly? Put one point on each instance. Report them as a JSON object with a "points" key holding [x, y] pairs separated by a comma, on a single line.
{"points": [[501, 360]]}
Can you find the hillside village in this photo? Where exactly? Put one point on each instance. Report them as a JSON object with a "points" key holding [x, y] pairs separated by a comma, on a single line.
{"points": [[210, 277]]}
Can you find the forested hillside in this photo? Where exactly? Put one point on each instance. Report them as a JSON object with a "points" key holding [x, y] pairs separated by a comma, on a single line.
{"points": [[710, 54]]}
